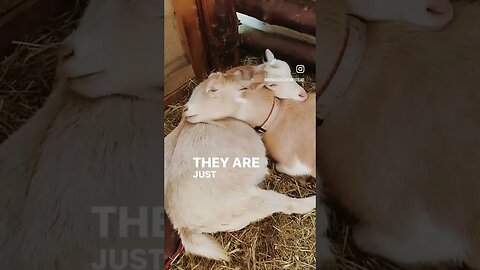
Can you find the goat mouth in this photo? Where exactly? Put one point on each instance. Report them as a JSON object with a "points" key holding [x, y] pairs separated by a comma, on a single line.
{"points": [[86, 75], [190, 117], [302, 98], [435, 11]]}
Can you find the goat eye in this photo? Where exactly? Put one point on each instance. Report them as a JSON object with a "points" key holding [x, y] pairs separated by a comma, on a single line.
{"points": [[212, 90], [244, 88], [272, 85]]}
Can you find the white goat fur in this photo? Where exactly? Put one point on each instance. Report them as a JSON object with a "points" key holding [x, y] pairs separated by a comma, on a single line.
{"points": [[77, 153], [114, 39]]}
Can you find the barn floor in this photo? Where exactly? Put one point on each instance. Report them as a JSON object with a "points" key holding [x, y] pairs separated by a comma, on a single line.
{"points": [[278, 242]]}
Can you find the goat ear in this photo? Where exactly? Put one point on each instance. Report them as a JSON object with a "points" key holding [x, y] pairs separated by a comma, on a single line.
{"points": [[238, 73], [209, 84], [256, 85], [269, 55], [214, 74], [244, 73]]}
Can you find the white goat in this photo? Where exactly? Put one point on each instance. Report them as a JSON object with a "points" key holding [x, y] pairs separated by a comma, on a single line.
{"points": [[114, 38], [18, 158], [277, 77], [231, 200], [401, 148], [78, 153]]}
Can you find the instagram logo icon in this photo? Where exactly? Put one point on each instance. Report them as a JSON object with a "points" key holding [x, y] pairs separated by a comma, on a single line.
{"points": [[300, 69]]}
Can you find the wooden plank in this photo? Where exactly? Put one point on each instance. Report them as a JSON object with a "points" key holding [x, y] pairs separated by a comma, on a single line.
{"points": [[25, 18], [175, 96], [172, 43], [187, 15], [283, 47], [298, 15], [178, 79], [220, 25], [275, 29], [174, 65]]}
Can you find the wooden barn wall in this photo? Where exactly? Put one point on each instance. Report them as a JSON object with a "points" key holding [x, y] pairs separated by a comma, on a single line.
{"points": [[178, 71]]}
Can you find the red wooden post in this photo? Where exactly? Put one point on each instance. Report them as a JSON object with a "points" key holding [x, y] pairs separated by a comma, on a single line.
{"points": [[220, 26]]}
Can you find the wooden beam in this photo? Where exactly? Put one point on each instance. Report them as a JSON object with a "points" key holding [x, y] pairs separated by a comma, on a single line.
{"points": [[283, 47], [178, 78], [25, 18], [298, 15], [188, 19], [275, 29], [175, 96], [220, 26]]}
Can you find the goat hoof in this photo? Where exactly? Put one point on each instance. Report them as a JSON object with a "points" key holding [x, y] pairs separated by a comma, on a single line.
{"points": [[305, 180]]}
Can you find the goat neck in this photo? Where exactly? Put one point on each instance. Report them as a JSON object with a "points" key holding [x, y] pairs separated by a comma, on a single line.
{"points": [[257, 108]]}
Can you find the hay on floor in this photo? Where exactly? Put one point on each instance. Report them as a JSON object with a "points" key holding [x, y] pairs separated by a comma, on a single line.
{"points": [[26, 76]]}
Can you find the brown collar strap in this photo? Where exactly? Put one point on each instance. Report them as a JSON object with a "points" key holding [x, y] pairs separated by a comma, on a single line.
{"points": [[345, 68], [270, 117]]}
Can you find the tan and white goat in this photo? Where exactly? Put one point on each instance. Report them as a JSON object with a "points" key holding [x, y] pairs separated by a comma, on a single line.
{"points": [[231, 200], [401, 148]]}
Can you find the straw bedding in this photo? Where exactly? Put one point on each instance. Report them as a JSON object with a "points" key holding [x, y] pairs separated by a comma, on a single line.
{"points": [[26, 76], [277, 242]]}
